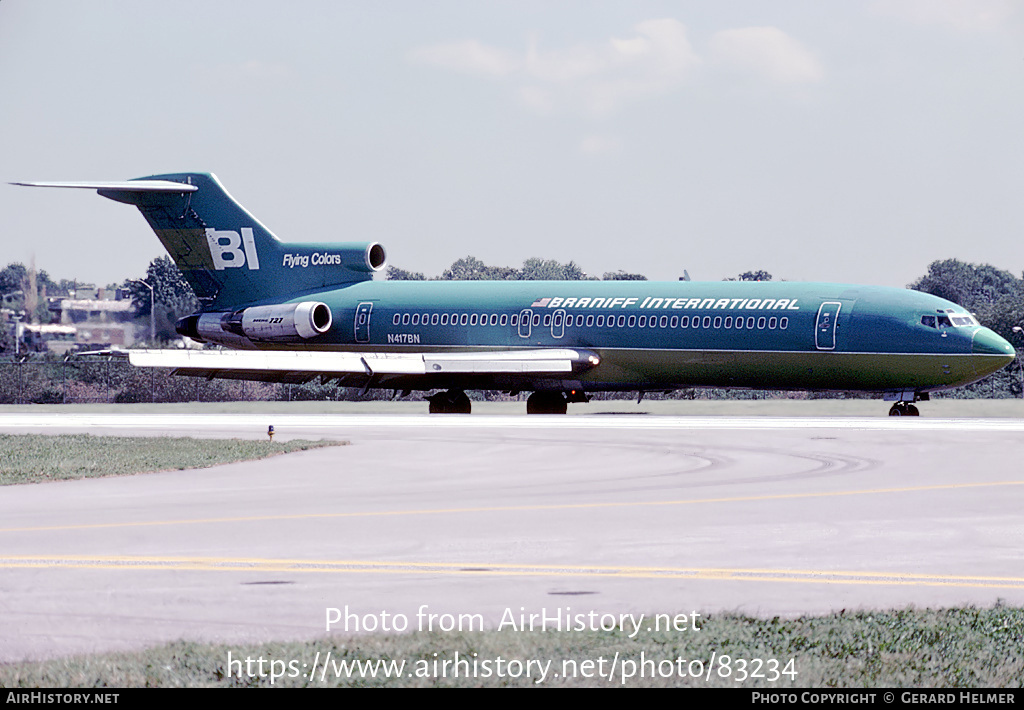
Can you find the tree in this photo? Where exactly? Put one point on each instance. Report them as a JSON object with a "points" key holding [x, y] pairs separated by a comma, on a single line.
{"points": [[472, 269], [535, 269], [11, 277], [970, 285], [31, 287], [396, 274], [621, 275], [173, 296], [759, 275]]}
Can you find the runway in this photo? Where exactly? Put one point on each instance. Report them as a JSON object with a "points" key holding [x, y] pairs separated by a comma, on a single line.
{"points": [[479, 515]]}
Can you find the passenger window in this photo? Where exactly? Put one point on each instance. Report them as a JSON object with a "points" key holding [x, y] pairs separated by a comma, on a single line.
{"points": [[590, 321], [784, 323], [433, 319], [643, 321], [772, 322], [718, 321], [397, 319], [504, 318], [444, 319], [622, 321], [514, 320], [707, 321], [632, 321], [760, 322], [472, 319], [494, 319], [674, 323], [600, 321], [684, 322], [728, 322], [405, 319]]}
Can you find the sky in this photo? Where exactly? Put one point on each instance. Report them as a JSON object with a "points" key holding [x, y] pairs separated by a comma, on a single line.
{"points": [[853, 142]]}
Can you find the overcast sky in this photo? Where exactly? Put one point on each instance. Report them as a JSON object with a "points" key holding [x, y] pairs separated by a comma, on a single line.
{"points": [[854, 141]]}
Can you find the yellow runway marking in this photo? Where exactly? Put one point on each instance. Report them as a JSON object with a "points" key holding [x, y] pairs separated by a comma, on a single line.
{"points": [[516, 508], [224, 564]]}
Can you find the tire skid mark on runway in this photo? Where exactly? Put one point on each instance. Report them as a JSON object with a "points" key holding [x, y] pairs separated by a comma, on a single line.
{"points": [[226, 564], [709, 458], [518, 508]]}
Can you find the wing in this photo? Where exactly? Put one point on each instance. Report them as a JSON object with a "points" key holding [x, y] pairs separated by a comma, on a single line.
{"points": [[360, 368]]}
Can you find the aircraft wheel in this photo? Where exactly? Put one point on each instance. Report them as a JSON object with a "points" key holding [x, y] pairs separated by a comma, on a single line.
{"points": [[450, 402], [912, 411], [897, 410], [460, 403], [546, 403]]}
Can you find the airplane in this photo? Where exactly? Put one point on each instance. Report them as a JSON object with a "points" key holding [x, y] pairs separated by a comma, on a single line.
{"points": [[293, 311]]}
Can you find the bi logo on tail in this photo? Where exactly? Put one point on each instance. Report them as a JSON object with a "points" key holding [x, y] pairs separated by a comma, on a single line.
{"points": [[230, 250]]}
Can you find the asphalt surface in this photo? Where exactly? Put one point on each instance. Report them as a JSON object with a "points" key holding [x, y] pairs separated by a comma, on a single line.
{"points": [[492, 515]]}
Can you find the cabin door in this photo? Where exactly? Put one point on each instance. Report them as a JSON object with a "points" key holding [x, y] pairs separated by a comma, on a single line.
{"points": [[825, 326], [362, 324]]}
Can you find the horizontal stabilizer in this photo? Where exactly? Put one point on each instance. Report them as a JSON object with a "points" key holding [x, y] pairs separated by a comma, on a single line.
{"points": [[123, 186]]}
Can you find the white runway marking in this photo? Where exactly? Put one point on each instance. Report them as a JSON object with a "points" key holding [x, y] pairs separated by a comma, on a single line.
{"points": [[199, 422]]}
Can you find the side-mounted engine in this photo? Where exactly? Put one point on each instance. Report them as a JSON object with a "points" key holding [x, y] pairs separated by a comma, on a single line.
{"points": [[282, 323]]}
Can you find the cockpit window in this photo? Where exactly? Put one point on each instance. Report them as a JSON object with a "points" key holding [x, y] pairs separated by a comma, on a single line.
{"points": [[960, 320]]}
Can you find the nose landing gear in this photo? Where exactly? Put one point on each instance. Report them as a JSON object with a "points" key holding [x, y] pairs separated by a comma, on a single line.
{"points": [[904, 402]]}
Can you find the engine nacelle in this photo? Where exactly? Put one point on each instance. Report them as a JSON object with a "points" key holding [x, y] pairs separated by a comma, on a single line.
{"points": [[285, 322], [288, 322]]}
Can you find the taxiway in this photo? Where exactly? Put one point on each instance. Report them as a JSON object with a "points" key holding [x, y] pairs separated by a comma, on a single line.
{"points": [[477, 515]]}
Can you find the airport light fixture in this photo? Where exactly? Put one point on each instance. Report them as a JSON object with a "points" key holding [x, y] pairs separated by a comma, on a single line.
{"points": [[152, 308]]}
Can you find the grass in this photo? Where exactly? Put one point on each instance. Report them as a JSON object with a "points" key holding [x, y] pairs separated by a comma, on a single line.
{"points": [[34, 458], [949, 648]]}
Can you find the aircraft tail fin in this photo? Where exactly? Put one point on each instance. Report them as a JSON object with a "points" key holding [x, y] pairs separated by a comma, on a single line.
{"points": [[228, 257]]}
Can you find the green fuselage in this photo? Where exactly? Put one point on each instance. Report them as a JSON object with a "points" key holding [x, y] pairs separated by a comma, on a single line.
{"points": [[665, 335]]}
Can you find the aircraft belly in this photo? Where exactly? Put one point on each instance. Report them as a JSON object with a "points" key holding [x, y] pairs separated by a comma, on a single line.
{"points": [[777, 370]]}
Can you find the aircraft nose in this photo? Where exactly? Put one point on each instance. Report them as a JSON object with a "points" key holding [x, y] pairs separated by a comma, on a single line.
{"points": [[993, 351]]}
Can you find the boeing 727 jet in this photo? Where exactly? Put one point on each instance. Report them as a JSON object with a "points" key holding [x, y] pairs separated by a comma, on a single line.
{"points": [[295, 311]]}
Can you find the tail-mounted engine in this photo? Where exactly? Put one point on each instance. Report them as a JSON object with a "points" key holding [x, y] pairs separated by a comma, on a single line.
{"points": [[288, 322]]}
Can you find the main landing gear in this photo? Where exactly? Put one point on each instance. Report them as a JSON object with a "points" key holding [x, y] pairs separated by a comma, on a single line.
{"points": [[902, 409], [551, 402], [449, 402], [546, 403]]}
